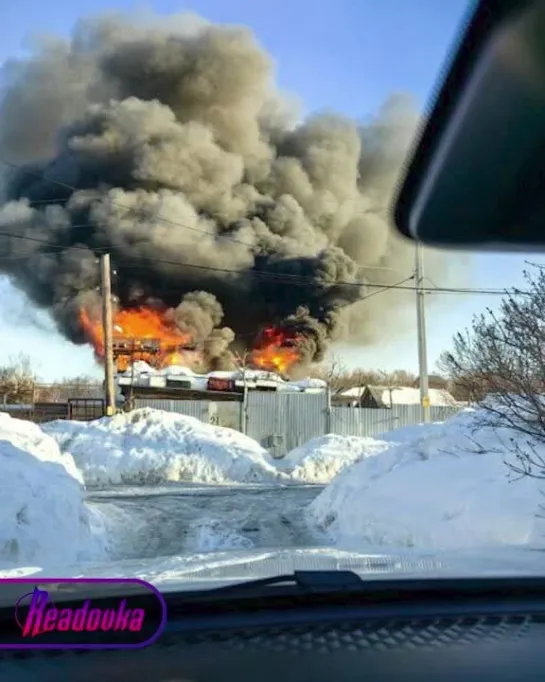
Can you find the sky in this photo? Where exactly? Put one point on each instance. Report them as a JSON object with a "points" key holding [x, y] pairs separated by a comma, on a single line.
{"points": [[347, 55]]}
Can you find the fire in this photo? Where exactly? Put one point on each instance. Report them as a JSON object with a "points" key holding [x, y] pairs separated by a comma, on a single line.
{"points": [[276, 351], [138, 334]]}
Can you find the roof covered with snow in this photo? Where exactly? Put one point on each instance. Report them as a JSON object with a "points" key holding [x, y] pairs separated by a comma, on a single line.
{"points": [[141, 373], [385, 396]]}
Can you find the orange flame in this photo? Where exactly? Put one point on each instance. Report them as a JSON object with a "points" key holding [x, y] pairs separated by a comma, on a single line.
{"points": [[138, 334], [276, 351]]}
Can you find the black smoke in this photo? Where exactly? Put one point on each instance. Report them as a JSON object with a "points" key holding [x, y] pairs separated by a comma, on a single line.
{"points": [[168, 146]]}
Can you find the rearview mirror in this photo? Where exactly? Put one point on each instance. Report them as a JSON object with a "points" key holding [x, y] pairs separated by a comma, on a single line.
{"points": [[476, 178]]}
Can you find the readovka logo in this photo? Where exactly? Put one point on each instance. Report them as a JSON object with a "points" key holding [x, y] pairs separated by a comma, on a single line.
{"points": [[84, 613]]}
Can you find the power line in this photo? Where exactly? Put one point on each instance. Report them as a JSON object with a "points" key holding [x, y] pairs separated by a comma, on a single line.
{"points": [[279, 277], [288, 278], [132, 209], [484, 292], [46, 243], [387, 288]]}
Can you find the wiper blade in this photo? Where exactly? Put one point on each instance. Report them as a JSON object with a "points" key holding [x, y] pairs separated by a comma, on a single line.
{"points": [[302, 581]]}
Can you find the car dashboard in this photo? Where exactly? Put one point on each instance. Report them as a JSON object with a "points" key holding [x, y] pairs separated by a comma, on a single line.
{"points": [[389, 630]]}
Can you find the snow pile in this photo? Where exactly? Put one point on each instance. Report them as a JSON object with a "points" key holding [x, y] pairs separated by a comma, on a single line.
{"points": [[147, 447], [176, 371], [322, 458], [438, 486], [43, 517]]}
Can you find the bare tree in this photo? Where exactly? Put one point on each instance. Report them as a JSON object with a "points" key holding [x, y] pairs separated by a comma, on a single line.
{"points": [[83, 386], [502, 359], [335, 374], [242, 359], [464, 387], [17, 380], [401, 377], [339, 378]]}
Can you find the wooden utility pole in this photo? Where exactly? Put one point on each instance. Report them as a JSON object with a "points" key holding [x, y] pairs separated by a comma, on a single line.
{"points": [[421, 326], [107, 327]]}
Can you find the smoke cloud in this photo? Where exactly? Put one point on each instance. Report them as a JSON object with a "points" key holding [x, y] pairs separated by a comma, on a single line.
{"points": [[167, 144]]}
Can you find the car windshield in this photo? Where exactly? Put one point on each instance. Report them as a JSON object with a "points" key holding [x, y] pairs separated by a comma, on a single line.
{"points": [[219, 359]]}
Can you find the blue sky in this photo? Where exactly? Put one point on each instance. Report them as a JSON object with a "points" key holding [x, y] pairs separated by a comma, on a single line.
{"points": [[346, 55]]}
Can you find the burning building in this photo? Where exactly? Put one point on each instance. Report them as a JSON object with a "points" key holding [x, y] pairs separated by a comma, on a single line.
{"points": [[141, 334], [232, 225]]}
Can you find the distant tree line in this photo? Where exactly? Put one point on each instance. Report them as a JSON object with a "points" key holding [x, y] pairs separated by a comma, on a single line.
{"points": [[339, 378], [19, 383]]}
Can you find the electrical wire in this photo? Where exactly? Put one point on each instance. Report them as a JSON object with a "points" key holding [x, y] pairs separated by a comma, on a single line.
{"points": [[132, 209], [287, 278], [277, 277]]}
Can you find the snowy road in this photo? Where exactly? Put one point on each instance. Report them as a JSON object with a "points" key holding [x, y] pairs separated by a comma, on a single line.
{"points": [[179, 519]]}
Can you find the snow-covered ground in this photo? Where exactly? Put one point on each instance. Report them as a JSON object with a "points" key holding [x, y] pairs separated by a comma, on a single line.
{"points": [[43, 516], [436, 486], [148, 446]]}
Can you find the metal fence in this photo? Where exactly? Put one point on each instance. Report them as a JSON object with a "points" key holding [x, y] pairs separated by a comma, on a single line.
{"points": [[191, 408], [348, 421], [62, 393], [40, 412], [281, 422]]}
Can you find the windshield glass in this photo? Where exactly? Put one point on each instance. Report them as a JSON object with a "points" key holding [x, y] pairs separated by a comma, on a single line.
{"points": [[218, 358]]}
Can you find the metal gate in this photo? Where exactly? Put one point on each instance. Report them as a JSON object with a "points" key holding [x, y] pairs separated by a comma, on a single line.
{"points": [[281, 422]]}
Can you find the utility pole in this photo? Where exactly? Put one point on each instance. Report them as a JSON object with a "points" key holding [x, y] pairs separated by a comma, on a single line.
{"points": [[421, 326], [107, 324], [244, 406], [133, 352]]}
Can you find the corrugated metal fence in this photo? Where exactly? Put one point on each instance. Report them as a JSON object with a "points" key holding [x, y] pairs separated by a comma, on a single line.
{"points": [[349, 421], [281, 422], [75, 409], [221, 413], [191, 408]]}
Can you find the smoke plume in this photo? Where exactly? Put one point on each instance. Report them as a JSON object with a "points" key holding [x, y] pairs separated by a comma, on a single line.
{"points": [[167, 145]]}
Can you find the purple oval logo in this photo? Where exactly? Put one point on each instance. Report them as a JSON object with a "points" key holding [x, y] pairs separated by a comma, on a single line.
{"points": [[80, 613]]}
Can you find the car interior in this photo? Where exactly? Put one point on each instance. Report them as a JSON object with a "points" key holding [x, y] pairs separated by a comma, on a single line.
{"points": [[472, 181]]}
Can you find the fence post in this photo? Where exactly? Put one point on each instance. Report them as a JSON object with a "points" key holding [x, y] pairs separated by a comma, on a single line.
{"points": [[327, 416], [243, 414]]}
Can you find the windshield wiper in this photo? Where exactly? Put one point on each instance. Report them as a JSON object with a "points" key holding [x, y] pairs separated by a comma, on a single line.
{"points": [[302, 581]]}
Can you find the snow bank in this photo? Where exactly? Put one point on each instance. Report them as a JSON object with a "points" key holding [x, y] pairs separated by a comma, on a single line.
{"points": [[147, 447], [438, 486], [321, 459], [43, 517]]}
